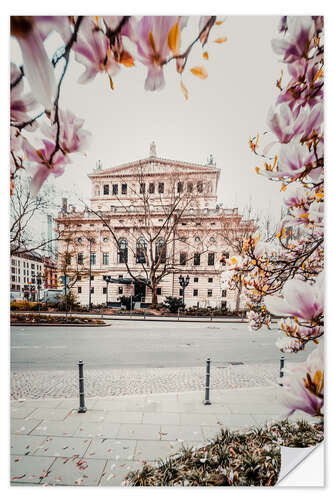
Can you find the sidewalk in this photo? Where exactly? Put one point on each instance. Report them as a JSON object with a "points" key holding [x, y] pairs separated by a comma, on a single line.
{"points": [[52, 444]]}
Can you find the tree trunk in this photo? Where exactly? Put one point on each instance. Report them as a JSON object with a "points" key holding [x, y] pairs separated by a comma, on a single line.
{"points": [[154, 297], [239, 291]]}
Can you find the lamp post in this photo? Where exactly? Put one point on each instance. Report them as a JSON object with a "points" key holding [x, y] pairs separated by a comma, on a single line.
{"points": [[184, 283], [107, 279], [39, 283], [91, 241]]}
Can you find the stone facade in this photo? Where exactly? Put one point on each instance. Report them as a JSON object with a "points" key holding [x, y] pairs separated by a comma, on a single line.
{"points": [[135, 210]]}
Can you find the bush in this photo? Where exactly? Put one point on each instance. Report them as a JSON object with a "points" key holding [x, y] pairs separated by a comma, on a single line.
{"points": [[126, 301], [67, 302], [173, 303], [23, 305]]}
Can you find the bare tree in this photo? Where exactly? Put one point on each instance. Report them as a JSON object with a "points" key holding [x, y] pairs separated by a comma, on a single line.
{"points": [[72, 265], [25, 217], [154, 226]]}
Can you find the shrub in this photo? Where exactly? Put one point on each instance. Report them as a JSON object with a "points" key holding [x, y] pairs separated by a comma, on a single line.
{"points": [[22, 305], [126, 301], [173, 303], [67, 302]]}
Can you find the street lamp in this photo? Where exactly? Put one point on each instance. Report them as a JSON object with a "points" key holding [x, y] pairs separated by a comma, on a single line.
{"points": [[39, 286], [184, 283], [107, 279], [91, 241]]}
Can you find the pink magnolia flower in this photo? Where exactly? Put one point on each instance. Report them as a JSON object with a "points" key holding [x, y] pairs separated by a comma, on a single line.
{"points": [[316, 213], [72, 137], [37, 66], [300, 30], [300, 299], [304, 385], [47, 24], [293, 160], [40, 160], [287, 344], [92, 49], [151, 38], [284, 123], [20, 105]]}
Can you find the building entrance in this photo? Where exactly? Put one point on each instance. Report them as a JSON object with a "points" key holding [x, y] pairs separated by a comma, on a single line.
{"points": [[139, 292]]}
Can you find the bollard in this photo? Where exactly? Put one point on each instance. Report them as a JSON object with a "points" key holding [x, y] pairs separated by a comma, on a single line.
{"points": [[82, 408], [211, 316], [281, 368], [206, 401], [144, 314]]}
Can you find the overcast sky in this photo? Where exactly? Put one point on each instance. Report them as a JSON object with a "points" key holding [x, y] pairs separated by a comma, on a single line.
{"points": [[220, 116]]}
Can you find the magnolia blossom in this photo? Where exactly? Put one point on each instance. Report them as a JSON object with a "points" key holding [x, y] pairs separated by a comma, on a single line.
{"points": [[300, 30], [284, 123], [316, 213], [152, 41], [287, 344], [20, 105], [37, 65], [40, 163], [304, 385], [92, 49], [293, 160], [47, 24], [72, 137], [301, 299], [16, 142]]}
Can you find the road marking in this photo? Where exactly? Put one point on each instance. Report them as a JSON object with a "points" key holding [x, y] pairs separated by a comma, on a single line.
{"points": [[38, 347]]}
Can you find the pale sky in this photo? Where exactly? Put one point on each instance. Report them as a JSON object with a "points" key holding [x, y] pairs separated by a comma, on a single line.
{"points": [[220, 116]]}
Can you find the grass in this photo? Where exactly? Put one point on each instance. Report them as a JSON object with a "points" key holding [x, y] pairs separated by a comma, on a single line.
{"points": [[250, 458]]}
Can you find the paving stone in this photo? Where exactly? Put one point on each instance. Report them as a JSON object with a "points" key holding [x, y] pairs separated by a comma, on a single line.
{"points": [[181, 432], [96, 430], [154, 450], [21, 411], [77, 472], [199, 418], [211, 431], [22, 426], [29, 469], [49, 414], [24, 445], [116, 471], [37, 403], [51, 428], [116, 449], [73, 404], [234, 422], [161, 418], [139, 431], [263, 408], [63, 447], [89, 416], [123, 404], [126, 417]]}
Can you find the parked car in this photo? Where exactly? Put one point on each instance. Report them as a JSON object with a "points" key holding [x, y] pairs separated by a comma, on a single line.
{"points": [[16, 296]]}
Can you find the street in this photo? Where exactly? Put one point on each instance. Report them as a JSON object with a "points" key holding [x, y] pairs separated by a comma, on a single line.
{"points": [[126, 344]]}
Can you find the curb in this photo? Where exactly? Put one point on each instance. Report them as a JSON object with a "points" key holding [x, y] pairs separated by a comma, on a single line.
{"points": [[59, 324]]}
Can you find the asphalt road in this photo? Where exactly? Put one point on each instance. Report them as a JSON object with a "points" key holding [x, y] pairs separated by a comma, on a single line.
{"points": [[126, 344]]}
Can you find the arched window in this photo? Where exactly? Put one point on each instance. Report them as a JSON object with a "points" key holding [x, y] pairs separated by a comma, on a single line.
{"points": [[160, 250], [141, 251], [122, 251]]}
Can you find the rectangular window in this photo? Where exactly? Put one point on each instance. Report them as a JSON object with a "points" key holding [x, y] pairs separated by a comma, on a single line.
{"points": [[182, 258], [159, 291], [78, 278], [179, 187], [151, 188], [142, 187], [105, 259], [104, 290], [210, 280], [124, 189], [80, 258], [120, 290], [106, 189], [195, 292], [92, 289], [161, 187], [211, 259], [199, 186], [79, 289], [224, 293], [209, 293], [115, 189], [13, 269], [223, 304], [196, 259], [190, 187], [180, 292], [92, 278], [196, 280], [68, 260], [32, 266], [93, 259]]}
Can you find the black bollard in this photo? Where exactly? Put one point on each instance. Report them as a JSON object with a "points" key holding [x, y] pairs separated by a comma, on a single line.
{"points": [[82, 408], [207, 401], [281, 369]]}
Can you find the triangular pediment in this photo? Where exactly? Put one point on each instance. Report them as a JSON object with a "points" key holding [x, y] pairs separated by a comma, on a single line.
{"points": [[154, 165]]}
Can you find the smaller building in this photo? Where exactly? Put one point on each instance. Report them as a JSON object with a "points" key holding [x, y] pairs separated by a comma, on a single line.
{"points": [[31, 274]]}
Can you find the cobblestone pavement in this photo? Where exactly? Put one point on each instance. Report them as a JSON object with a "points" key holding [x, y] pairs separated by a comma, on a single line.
{"points": [[102, 383]]}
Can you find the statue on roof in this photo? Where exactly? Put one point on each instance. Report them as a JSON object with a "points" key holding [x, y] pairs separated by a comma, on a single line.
{"points": [[99, 165], [152, 149], [210, 160]]}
